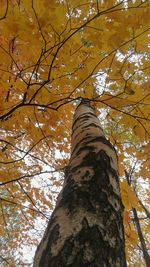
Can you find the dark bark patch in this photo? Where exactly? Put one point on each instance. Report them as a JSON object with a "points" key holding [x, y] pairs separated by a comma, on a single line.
{"points": [[87, 249]]}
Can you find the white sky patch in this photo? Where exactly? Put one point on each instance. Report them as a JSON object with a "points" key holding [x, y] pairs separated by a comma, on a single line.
{"points": [[100, 83], [50, 184]]}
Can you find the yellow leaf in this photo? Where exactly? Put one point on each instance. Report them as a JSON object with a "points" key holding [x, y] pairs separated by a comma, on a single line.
{"points": [[129, 197], [126, 217], [130, 150], [121, 169], [139, 131], [131, 236], [129, 91], [147, 149], [145, 173]]}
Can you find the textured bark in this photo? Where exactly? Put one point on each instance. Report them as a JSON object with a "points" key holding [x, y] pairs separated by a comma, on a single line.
{"points": [[86, 226]]}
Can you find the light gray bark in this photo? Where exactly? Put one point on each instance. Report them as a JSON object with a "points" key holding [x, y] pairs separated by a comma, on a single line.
{"points": [[86, 226]]}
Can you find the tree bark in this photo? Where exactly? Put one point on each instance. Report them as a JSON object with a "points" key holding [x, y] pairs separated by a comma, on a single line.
{"points": [[86, 226]]}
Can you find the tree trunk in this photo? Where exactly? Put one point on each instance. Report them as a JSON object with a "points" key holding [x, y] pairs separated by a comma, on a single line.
{"points": [[141, 238], [86, 226], [138, 226]]}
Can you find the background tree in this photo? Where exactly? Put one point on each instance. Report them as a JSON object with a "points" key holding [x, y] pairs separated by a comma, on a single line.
{"points": [[51, 54]]}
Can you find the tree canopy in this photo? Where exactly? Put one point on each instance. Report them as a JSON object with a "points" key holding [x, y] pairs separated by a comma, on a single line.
{"points": [[52, 54]]}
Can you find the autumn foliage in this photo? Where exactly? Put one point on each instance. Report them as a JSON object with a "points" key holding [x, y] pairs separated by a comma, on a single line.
{"points": [[52, 54]]}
